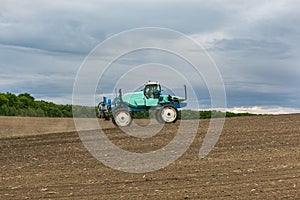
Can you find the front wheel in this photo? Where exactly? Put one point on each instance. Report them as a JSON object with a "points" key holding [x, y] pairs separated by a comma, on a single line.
{"points": [[122, 117], [167, 114]]}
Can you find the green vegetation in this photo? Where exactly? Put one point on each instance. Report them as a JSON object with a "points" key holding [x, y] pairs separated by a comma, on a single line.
{"points": [[25, 105], [193, 114]]}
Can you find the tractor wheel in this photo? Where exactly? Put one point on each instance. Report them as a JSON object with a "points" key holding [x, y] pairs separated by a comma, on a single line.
{"points": [[167, 114], [122, 117], [158, 116], [106, 116]]}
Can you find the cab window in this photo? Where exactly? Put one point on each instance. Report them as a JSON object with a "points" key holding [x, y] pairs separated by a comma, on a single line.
{"points": [[152, 91]]}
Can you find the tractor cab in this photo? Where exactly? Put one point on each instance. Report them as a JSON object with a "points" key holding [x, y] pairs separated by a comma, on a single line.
{"points": [[152, 90]]}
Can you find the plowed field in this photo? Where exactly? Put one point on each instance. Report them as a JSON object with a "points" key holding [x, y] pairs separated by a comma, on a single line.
{"points": [[255, 158]]}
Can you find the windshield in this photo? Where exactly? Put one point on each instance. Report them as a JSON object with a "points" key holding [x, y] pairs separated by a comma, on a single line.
{"points": [[152, 91]]}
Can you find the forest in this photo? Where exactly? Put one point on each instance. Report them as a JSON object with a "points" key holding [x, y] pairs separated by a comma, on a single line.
{"points": [[26, 106]]}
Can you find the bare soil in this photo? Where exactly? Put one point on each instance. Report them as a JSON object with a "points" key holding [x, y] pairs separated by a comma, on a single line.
{"points": [[255, 158]]}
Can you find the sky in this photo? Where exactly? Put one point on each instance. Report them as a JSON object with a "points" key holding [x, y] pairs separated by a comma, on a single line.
{"points": [[254, 44]]}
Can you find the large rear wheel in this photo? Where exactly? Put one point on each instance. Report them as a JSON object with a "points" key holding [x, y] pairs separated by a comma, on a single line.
{"points": [[122, 117], [167, 114]]}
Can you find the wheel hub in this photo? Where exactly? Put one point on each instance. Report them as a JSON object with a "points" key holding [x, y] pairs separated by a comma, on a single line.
{"points": [[123, 118], [169, 114]]}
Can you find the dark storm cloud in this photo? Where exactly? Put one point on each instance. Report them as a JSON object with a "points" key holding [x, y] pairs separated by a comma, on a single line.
{"points": [[255, 44]]}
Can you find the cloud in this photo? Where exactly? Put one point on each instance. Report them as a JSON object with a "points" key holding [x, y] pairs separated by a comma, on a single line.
{"points": [[264, 110], [38, 72], [255, 44], [258, 54]]}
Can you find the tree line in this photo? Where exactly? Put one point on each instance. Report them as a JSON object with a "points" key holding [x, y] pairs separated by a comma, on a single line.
{"points": [[26, 106], [194, 114]]}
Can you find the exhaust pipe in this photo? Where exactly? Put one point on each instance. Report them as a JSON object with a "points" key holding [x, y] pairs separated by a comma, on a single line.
{"points": [[185, 93]]}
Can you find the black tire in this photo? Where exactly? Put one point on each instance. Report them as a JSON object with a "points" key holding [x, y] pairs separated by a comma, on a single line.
{"points": [[106, 116], [114, 122], [167, 114], [122, 117], [158, 117]]}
